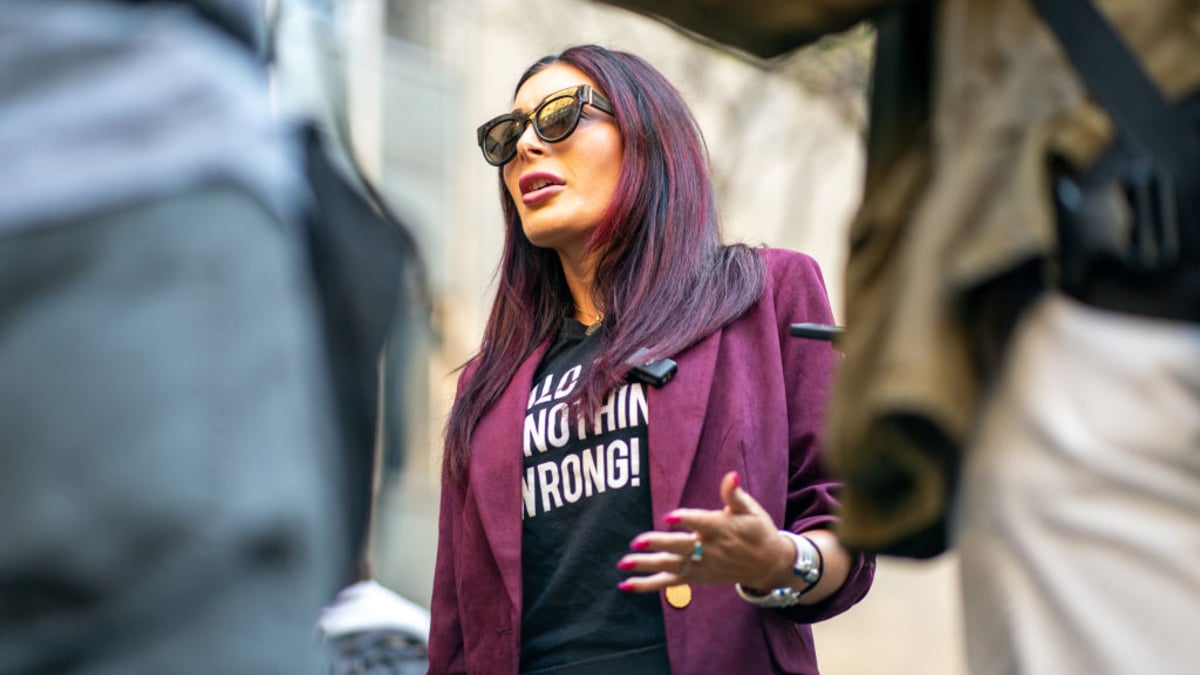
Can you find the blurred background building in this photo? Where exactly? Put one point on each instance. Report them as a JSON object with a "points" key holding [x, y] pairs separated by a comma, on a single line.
{"points": [[785, 140]]}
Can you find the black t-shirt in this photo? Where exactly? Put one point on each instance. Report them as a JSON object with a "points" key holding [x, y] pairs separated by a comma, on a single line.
{"points": [[585, 495]]}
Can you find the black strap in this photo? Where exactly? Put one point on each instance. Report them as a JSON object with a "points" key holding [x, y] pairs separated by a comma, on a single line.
{"points": [[1153, 268], [1115, 77]]}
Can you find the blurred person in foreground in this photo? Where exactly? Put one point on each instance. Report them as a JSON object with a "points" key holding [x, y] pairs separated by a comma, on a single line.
{"points": [[185, 376], [602, 512], [1022, 350], [367, 628]]}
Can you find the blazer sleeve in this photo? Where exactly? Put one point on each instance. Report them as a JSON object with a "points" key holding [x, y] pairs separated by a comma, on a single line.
{"points": [[447, 653], [799, 294]]}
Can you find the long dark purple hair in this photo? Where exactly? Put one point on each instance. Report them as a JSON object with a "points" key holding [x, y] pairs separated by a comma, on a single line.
{"points": [[663, 277]]}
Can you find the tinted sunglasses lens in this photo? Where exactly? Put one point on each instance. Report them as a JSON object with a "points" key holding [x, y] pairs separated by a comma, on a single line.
{"points": [[557, 118], [500, 142]]}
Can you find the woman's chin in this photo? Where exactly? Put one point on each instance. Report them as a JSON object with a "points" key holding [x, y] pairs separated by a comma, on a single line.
{"points": [[558, 238]]}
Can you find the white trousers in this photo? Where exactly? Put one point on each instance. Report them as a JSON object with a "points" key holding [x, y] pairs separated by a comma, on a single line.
{"points": [[1078, 516]]}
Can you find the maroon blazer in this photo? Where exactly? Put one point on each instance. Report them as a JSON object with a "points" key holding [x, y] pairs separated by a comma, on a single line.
{"points": [[749, 398]]}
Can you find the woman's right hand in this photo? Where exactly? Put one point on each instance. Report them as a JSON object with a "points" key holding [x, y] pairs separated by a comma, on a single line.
{"points": [[736, 544]]}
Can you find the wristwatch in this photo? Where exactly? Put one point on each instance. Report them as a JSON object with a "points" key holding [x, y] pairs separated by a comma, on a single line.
{"points": [[810, 564], [808, 568]]}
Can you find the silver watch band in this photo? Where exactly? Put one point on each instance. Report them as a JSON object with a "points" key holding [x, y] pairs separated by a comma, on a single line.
{"points": [[809, 563], [808, 568]]}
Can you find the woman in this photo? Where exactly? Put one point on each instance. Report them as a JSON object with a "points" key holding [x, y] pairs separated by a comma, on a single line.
{"points": [[564, 450]]}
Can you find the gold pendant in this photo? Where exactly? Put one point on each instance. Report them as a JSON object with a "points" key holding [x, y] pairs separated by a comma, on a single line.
{"points": [[679, 596]]}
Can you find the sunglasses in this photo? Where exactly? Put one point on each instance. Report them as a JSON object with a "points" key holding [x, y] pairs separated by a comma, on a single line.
{"points": [[554, 119]]}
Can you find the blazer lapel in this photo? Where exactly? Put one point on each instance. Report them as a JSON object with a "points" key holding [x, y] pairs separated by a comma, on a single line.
{"points": [[676, 416], [496, 473]]}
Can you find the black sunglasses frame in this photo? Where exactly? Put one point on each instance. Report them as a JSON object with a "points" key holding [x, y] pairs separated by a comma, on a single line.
{"points": [[582, 93]]}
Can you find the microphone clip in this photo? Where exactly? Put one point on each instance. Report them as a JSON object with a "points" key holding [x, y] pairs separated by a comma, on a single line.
{"points": [[654, 373]]}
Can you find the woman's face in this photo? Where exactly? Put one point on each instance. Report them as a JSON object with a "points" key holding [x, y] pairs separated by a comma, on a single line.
{"points": [[562, 189]]}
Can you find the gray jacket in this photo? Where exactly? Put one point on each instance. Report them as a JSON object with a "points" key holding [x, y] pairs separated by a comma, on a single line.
{"points": [[103, 105]]}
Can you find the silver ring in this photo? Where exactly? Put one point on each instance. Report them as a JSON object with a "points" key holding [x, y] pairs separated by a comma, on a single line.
{"points": [[697, 551]]}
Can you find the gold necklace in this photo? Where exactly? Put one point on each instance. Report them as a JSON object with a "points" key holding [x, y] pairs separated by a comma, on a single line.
{"points": [[592, 326]]}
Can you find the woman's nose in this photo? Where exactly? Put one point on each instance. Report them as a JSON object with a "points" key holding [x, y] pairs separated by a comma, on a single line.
{"points": [[529, 143]]}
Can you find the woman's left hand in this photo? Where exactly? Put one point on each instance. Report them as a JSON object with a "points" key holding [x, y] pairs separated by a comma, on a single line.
{"points": [[737, 544]]}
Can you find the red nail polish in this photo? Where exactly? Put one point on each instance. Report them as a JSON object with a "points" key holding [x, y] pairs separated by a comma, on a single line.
{"points": [[671, 519], [626, 565], [625, 586], [737, 479], [639, 545]]}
